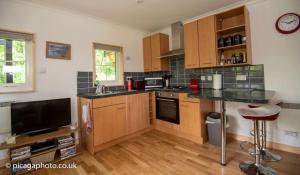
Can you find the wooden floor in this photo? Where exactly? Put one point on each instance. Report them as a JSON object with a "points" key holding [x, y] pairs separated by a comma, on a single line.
{"points": [[158, 153]]}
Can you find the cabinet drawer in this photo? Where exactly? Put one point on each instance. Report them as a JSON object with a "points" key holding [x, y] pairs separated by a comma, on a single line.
{"points": [[184, 97], [97, 103]]}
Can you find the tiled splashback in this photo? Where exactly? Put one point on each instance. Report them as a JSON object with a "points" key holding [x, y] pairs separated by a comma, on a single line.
{"points": [[254, 75], [181, 77], [85, 83]]}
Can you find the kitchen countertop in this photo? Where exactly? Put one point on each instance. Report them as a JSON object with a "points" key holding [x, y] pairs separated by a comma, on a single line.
{"points": [[235, 95]]}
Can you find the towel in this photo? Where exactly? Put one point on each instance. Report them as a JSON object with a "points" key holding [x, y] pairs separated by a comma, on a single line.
{"points": [[86, 117]]}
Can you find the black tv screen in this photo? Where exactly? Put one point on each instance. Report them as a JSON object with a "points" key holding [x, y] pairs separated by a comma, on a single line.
{"points": [[38, 116]]}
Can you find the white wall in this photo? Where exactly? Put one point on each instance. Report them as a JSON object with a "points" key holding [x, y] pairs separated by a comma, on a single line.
{"points": [[49, 24], [280, 55]]}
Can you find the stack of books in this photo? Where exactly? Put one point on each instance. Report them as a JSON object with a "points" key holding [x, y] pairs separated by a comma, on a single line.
{"points": [[67, 152], [20, 153], [65, 141]]}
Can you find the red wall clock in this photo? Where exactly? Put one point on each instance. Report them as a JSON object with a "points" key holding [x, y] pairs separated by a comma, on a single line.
{"points": [[288, 23]]}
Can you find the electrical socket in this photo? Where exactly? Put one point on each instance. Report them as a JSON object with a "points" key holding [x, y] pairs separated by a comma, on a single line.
{"points": [[241, 77], [291, 133], [203, 78], [209, 78]]}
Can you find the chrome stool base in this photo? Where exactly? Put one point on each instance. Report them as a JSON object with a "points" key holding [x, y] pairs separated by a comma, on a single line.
{"points": [[266, 155], [250, 168]]}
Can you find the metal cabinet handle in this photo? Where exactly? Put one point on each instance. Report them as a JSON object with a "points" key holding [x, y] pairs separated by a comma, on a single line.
{"points": [[162, 99]]}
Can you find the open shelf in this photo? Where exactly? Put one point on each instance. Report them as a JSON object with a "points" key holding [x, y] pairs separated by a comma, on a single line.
{"points": [[26, 140], [234, 29], [230, 23], [43, 152], [238, 46], [233, 65]]}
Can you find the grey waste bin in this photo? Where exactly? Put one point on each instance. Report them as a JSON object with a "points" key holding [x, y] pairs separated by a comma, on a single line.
{"points": [[213, 121]]}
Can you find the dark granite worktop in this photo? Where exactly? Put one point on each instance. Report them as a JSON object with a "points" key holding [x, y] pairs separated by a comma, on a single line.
{"points": [[235, 95]]}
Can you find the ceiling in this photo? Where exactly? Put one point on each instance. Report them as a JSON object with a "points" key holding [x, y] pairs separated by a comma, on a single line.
{"points": [[148, 15]]}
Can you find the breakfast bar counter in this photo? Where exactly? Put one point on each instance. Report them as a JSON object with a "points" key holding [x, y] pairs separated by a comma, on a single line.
{"points": [[233, 95]]}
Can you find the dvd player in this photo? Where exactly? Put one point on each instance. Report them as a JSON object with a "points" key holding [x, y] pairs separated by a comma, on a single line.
{"points": [[42, 146]]}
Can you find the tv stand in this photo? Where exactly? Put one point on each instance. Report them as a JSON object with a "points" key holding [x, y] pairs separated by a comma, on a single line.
{"points": [[44, 131], [26, 140]]}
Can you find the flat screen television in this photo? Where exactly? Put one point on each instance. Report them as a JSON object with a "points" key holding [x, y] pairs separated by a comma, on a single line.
{"points": [[37, 117]]}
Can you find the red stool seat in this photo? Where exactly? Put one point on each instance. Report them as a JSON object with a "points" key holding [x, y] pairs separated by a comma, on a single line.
{"points": [[266, 112]]}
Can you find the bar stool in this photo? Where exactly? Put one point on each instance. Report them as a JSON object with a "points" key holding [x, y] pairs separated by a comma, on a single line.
{"points": [[266, 155], [262, 113]]}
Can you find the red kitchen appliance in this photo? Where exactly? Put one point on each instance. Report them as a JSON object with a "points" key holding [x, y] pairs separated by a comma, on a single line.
{"points": [[129, 83], [194, 84], [139, 84]]}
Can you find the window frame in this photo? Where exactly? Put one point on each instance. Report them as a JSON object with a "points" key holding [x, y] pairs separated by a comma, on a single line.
{"points": [[29, 85], [119, 67]]}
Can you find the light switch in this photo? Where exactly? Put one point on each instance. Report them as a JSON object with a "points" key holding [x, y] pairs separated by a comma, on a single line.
{"points": [[209, 78], [241, 77], [43, 70], [203, 78]]}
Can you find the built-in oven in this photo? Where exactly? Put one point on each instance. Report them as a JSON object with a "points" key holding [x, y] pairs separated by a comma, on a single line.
{"points": [[167, 106], [154, 82]]}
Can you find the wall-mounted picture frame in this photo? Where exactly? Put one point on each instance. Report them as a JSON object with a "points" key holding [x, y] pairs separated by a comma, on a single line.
{"points": [[58, 50]]}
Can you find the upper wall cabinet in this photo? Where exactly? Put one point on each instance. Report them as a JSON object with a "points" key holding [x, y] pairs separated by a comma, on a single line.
{"points": [[200, 43], [147, 54], [191, 48], [218, 40], [207, 42], [233, 37], [154, 46]]}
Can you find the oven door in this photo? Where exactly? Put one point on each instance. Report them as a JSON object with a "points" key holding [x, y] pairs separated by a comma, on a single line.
{"points": [[167, 109]]}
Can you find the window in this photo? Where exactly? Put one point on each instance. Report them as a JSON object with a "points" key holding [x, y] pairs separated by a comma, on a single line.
{"points": [[16, 61], [108, 64]]}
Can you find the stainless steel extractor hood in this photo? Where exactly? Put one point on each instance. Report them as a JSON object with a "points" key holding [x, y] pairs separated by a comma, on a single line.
{"points": [[177, 41]]}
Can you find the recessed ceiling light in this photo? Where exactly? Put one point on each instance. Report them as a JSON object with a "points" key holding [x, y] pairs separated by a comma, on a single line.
{"points": [[139, 1]]}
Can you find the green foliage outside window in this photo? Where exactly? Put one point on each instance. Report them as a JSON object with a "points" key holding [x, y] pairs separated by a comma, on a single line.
{"points": [[105, 65], [18, 61], [2, 52]]}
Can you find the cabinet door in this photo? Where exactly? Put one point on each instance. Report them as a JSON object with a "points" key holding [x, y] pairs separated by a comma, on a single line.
{"points": [[207, 42], [109, 123], [190, 119], [137, 112], [191, 47], [147, 53], [159, 45], [119, 120]]}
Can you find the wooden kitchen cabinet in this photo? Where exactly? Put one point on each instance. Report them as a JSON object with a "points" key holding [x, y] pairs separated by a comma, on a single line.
{"points": [[109, 123], [137, 112], [200, 43], [147, 54], [192, 116], [190, 120], [207, 42], [114, 119], [191, 47], [153, 47]]}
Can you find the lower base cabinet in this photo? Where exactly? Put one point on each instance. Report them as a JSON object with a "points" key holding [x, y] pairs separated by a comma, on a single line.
{"points": [[190, 119], [109, 123], [137, 112], [113, 119]]}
